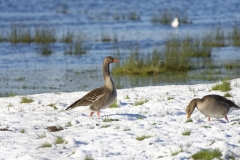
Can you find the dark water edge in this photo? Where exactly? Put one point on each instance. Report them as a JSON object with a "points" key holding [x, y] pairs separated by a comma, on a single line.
{"points": [[26, 82]]}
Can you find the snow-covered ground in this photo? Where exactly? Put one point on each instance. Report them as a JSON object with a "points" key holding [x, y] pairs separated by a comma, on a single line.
{"points": [[162, 118]]}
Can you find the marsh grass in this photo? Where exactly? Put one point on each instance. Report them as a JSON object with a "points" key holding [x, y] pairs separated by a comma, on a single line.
{"points": [[162, 18], [167, 17], [134, 16], [45, 34], [224, 86], [78, 47], [44, 49], [215, 38], [20, 34], [67, 37], [106, 37], [207, 154], [45, 145], [141, 138], [59, 140], [175, 56], [235, 35], [26, 100]]}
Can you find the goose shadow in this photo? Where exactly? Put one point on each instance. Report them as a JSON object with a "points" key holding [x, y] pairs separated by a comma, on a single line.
{"points": [[129, 116]]}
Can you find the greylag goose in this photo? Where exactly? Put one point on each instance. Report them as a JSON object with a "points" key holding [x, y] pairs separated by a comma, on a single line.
{"points": [[99, 98], [212, 106]]}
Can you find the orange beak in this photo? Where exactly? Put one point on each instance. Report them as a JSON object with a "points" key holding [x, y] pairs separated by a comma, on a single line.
{"points": [[115, 60], [188, 115]]}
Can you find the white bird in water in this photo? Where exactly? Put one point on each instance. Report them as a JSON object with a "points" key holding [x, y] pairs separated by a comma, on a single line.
{"points": [[175, 23]]}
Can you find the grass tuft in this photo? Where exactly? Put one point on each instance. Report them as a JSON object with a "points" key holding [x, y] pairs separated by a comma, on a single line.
{"points": [[105, 126], [114, 105], [53, 105], [188, 120], [140, 102], [26, 100], [76, 48], [88, 157], [46, 144], [20, 34], [207, 154], [22, 130], [68, 124], [39, 136], [227, 95], [224, 86], [140, 138], [59, 140], [235, 35], [186, 133]]}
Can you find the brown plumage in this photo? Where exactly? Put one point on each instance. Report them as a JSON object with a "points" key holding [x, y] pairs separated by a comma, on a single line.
{"points": [[99, 98], [212, 106]]}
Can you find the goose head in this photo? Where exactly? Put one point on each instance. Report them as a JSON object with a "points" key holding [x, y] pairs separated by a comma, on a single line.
{"points": [[110, 59], [190, 108]]}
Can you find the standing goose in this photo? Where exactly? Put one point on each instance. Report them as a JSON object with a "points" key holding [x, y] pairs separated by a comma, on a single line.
{"points": [[99, 98], [212, 106]]}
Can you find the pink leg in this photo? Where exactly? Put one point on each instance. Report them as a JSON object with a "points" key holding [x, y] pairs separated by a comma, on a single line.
{"points": [[91, 114], [208, 118], [226, 118], [98, 114]]}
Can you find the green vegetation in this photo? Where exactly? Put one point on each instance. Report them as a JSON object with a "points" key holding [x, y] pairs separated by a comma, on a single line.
{"points": [[22, 130], [177, 152], [175, 56], [53, 105], [224, 86], [67, 37], [207, 154], [46, 144], [167, 17], [235, 35], [20, 34], [227, 95], [44, 34], [68, 124], [164, 18], [140, 138], [59, 140], [26, 100], [140, 102], [88, 157], [186, 133], [114, 105], [188, 120], [214, 39], [39, 136], [44, 49], [76, 48], [105, 126]]}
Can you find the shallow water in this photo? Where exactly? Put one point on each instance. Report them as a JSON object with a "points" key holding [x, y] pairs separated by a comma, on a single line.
{"points": [[25, 71]]}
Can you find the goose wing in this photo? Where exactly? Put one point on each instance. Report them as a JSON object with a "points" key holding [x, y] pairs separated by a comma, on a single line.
{"points": [[88, 99]]}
